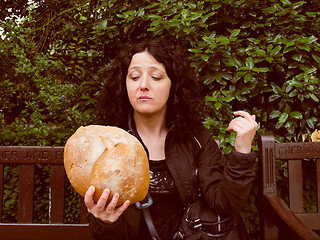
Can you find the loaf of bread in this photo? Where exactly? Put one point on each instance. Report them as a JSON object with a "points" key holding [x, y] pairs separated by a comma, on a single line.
{"points": [[315, 136], [107, 157]]}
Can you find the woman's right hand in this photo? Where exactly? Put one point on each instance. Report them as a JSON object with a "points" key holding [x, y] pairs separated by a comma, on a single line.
{"points": [[106, 213]]}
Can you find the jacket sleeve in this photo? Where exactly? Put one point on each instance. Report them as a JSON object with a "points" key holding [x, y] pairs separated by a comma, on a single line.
{"points": [[126, 227], [104, 231], [225, 181]]}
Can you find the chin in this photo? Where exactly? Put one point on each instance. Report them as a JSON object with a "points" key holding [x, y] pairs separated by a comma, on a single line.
{"points": [[146, 112]]}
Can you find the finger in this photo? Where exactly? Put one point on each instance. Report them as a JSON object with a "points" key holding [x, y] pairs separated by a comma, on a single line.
{"points": [[113, 203], [122, 208], [241, 113], [236, 127], [239, 123], [245, 115], [243, 121], [103, 199], [88, 197]]}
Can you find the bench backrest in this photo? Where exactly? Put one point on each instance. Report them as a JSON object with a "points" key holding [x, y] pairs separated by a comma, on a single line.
{"points": [[26, 158], [294, 153]]}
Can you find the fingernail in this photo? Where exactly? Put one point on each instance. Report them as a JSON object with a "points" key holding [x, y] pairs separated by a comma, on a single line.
{"points": [[92, 188]]}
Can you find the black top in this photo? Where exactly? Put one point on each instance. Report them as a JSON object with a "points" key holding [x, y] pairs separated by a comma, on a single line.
{"points": [[165, 211], [225, 181]]}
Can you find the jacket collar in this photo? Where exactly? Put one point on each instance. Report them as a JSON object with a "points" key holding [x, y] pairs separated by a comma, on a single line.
{"points": [[133, 130]]}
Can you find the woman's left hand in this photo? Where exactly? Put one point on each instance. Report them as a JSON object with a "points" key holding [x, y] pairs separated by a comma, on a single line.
{"points": [[245, 126]]}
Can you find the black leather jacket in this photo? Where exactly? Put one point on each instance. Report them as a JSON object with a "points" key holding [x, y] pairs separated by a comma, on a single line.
{"points": [[196, 161]]}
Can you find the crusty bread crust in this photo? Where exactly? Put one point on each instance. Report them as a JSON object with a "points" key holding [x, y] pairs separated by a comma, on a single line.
{"points": [[315, 136], [107, 157]]}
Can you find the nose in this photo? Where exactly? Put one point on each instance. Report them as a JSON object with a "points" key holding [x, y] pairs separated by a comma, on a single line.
{"points": [[144, 84]]}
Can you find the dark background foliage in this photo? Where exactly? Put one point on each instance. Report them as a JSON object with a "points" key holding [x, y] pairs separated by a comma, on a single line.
{"points": [[262, 56]]}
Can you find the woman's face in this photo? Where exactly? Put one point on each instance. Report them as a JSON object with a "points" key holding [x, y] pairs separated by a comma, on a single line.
{"points": [[148, 85]]}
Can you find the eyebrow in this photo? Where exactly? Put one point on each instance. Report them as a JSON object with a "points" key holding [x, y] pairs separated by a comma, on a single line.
{"points": [[137, 67]]}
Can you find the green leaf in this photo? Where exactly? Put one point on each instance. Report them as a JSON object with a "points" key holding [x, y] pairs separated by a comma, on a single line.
{"points": [[204, 57], [286, 2], [260, 53], [83, 18], [235, 33], [232, 138], [195, 16], [208, 122], [254, 40], [310, 123], [249, 62], [297, 57], [243, 69], [209, 39], [296, 83], [269, 59], [296, 115], [311, 70], [227, 76], [184, 13], [241, 98], [195, 50], [275, 50], [304, 47], [247, 77], [293, 93], [227, 98], [283, 117], [307, 40], [298, 4], [217, 105], [223, 40], [291, 43], [210, 99], [276, 89], [314, 97], [275, 114], [316, 57], [258, 70], [274, 97]]}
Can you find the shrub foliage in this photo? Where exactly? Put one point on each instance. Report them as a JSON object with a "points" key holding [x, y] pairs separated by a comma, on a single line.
{"points": [[262, 56]]}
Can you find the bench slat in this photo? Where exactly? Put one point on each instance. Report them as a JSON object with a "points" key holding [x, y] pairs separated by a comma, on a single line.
{"points": [[45, 231], [83, 212], [26, 189], [295, 186], [27, 157], [275, 215], [310, 219], [318, 183], [297, 150], [31, 155], [57, 180], [1, 189]]}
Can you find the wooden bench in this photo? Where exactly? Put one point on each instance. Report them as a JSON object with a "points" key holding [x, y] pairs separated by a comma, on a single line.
{"points": [[276, 218], [26, 158]]}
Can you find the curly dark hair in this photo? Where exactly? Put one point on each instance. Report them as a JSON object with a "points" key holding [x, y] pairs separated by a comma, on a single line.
{"points": [[185, 100]]}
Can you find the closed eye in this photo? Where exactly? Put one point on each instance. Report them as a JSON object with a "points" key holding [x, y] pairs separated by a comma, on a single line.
{"points": [[156, 78]]}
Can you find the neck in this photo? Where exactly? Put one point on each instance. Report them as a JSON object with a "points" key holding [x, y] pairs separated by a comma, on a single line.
{"points": [[153, 131], [150, 124]]}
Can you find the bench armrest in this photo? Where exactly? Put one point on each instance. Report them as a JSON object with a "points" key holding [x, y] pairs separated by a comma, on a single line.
{"points": [[285, 220]]}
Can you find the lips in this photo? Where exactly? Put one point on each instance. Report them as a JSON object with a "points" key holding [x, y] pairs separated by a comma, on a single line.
{"points": [[144, 98]]}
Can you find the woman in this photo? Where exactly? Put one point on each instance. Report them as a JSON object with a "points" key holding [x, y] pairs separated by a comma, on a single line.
{"points": [[152, 92]]}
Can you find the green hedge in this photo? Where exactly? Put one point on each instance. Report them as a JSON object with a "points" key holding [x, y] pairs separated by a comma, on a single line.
{"points": [[259, 55]]}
